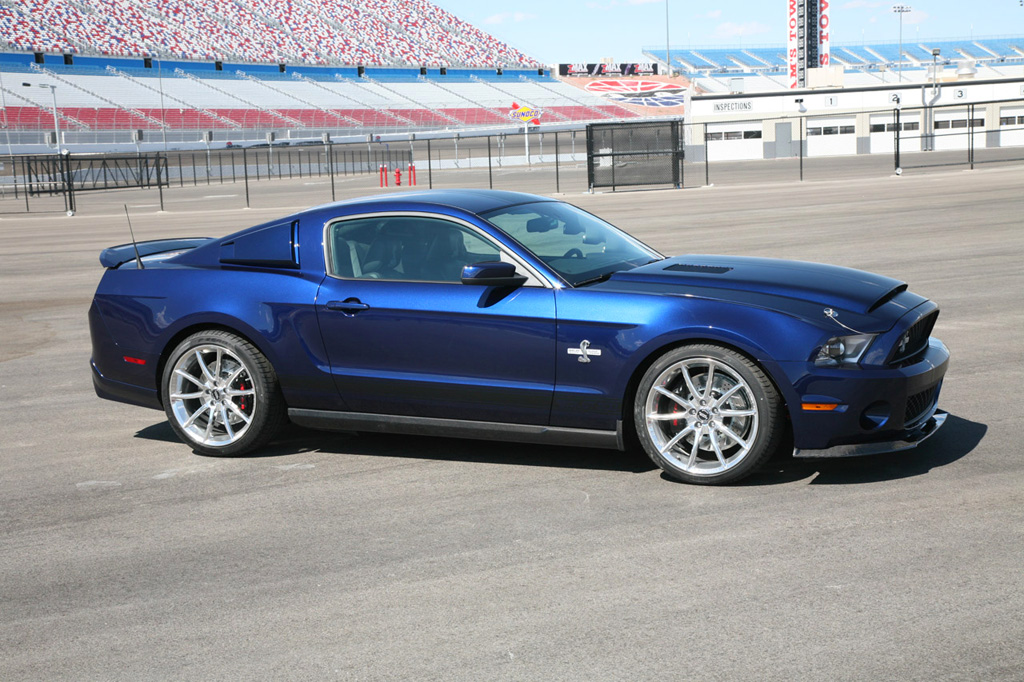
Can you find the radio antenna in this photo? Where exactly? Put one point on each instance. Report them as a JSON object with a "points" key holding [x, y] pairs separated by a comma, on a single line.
{"points": [[138, 258]]}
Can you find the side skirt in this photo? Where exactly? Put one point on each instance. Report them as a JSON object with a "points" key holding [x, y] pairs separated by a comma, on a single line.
{"points": [[456, 428]]}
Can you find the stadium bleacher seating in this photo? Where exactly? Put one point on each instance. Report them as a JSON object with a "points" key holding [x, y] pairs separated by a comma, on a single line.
{"points": [[338, 65], [368, 32], [873, 56]]}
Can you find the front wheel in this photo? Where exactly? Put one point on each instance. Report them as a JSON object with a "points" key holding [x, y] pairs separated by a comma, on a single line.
{"points": [[707, 414], [221, 395]]}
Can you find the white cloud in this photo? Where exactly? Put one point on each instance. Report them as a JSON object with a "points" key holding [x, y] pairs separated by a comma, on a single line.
{"points": [[733, 30], [713, 14], [506, 17]]}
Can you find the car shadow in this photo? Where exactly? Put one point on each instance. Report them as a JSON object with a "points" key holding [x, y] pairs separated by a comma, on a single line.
{"points": [[956, 439], [295, 440], [160, 431], [458, 450]]}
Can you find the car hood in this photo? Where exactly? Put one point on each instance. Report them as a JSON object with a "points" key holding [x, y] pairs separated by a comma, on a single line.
{"points": [[806, 289]]}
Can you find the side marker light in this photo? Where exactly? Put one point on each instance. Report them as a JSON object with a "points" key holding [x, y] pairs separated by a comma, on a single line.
{"points": [[819, 407]]}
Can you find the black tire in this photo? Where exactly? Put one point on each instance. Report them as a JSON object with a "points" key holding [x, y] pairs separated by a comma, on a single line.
{"points": [[221, 395], [707, 435]]}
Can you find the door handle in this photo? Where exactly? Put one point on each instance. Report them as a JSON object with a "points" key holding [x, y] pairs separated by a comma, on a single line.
{"points": [[349, 305]]}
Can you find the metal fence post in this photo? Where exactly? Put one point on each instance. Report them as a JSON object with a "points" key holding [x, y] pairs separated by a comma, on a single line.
{"points": [[71, 185], [159, 183], [245, 169], [682, 157], [430, 172], [330, 167], [970, 135], [24, 172], [558, 186], [896, 141], [707, 157], [490, 178], [803, 122]]}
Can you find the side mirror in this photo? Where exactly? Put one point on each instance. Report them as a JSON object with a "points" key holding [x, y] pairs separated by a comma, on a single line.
{"points": [[492, 274]]}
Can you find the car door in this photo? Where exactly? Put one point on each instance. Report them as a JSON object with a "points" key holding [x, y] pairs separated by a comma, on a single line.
{"points": [[404, 336]]}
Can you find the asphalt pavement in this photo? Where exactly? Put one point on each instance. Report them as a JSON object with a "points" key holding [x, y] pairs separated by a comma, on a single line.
{"points": [[124, 556]]}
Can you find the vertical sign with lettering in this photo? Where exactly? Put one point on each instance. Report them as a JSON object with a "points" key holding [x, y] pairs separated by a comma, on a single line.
{"points": [[824, 53], [791, 46]]}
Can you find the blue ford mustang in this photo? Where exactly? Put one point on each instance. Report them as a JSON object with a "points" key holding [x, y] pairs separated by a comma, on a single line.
{"points": [[499, 315]]}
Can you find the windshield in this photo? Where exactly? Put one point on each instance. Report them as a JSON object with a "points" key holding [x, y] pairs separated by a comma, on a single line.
{"points": [[580, 247]]}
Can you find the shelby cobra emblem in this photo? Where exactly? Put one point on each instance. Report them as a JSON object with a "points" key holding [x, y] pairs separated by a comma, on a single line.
{"points": [[584, 351]]}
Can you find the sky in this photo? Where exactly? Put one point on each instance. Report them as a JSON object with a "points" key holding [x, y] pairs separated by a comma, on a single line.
{"points": [[572, 31]]}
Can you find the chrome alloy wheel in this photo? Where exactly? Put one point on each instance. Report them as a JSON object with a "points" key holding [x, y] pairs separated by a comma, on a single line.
{"points": [[212, 395], [702, 416]]}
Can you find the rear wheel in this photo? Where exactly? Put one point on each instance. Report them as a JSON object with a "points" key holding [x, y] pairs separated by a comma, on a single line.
{"points": [[221, 395], [707, 414]]}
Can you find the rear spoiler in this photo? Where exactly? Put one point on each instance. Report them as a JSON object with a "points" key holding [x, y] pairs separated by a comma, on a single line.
{"points": [[118, 255]]}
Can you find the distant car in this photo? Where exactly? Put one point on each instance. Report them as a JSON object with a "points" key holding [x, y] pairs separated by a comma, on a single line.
{"points": [[507, 316]]}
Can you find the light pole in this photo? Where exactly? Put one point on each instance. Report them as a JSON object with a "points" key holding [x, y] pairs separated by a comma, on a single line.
{"points": [[668, 58], [901, 10], [163, 111], [935, 69], [56, 121], [7, 123]]}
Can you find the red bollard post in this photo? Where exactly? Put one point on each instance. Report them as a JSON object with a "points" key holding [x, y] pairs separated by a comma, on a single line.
{"points": [[383, 175], [412, 174], [398, 176]]}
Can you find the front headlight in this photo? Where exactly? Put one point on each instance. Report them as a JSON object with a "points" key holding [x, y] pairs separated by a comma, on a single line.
{"points": [[843, 350]]}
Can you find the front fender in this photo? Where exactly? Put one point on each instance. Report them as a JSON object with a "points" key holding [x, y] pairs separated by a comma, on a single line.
{"points": [[632, 330]]}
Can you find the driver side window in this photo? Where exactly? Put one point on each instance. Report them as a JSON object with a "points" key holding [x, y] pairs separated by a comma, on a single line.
{"points": [[405, 248]]}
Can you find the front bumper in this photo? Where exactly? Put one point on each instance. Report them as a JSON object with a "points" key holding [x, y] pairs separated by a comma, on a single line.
{"points": [[912, 440], [880, 409]]}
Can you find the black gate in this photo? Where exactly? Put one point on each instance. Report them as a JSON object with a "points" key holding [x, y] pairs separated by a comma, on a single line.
{"points": [[631, 154], [59, 173]]}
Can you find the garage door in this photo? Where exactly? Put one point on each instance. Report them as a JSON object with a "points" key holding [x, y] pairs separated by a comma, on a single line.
{"points": [[1011, 127], [951, 130], [831, 136], [735, 141], [883, 133]]}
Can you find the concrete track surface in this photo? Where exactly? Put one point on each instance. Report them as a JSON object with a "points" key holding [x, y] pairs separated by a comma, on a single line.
{"points": [[123, 556]]}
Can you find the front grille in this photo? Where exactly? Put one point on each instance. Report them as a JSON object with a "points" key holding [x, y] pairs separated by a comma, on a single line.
{"points": [[914, 340], [918, 405]]}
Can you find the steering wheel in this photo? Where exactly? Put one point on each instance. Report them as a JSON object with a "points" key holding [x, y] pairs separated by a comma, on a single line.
{"points": [[573, 253]]}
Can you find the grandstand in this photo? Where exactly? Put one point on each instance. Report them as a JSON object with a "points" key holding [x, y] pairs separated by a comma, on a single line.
{"points": [[763, 68], [122, 94], [367, 32], [241, 69]]}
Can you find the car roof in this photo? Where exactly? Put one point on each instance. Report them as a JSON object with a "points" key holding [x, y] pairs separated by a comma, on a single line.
{"points": [[471, 200]]}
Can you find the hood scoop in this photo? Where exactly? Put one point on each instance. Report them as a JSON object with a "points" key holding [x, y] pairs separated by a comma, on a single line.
{"points": [[703, 269]]}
